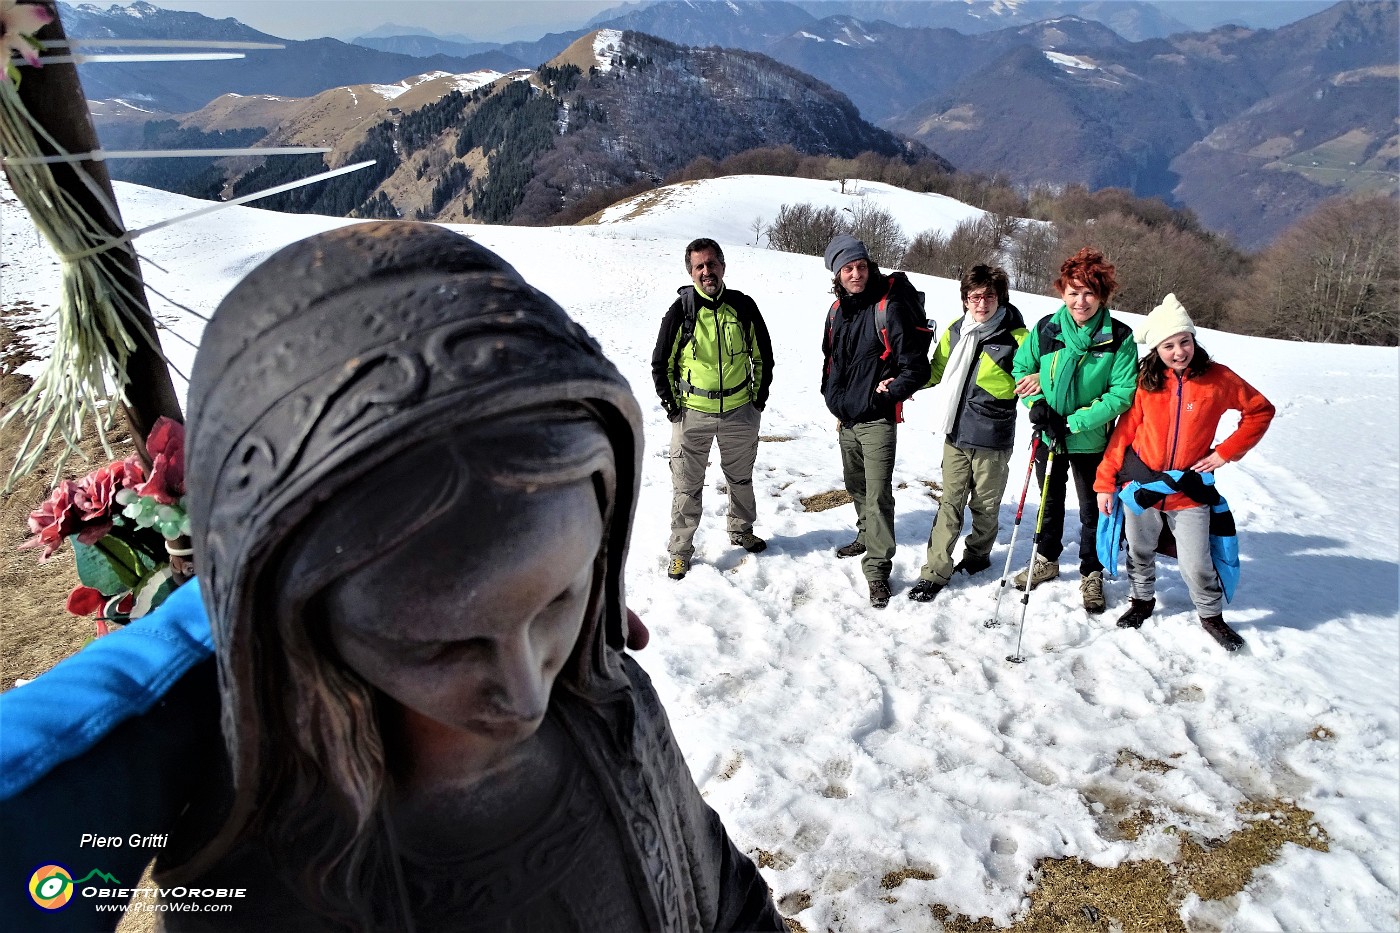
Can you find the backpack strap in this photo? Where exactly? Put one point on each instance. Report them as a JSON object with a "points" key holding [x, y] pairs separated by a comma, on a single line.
{"points": [[687, 317]]}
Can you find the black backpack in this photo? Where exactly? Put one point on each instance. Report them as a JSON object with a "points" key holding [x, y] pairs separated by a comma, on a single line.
{"points": [[918, 330]]}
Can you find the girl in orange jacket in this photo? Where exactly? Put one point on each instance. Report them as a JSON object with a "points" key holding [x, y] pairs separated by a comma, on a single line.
{"points": [[1182, 395]]}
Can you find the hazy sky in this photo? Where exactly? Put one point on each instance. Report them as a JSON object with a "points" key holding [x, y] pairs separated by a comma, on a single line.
{"points": [[485, 20], [508, 20]]}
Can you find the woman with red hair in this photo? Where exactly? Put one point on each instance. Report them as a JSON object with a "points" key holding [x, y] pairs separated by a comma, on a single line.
{"points": [[1077, 372]]}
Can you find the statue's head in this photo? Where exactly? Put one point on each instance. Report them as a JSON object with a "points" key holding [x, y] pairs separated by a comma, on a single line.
{"points": [[411, 483]]}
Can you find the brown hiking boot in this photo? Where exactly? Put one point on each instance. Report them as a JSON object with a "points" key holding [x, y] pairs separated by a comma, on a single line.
{"points": [[854, 549], [1091, 588], [879, 593], [1043, 571], [1228, 638], [1138, 611]]}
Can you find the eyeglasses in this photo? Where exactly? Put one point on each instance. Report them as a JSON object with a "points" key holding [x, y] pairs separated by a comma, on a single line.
{"points": [[977, 297]]}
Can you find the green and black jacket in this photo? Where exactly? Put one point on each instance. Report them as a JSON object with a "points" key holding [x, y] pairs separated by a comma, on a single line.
{"points": [[1102, 384], [987, 402], [712, 354]]}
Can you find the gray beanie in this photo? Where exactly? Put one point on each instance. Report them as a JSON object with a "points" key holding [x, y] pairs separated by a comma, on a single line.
{"points": [[843, 249]]}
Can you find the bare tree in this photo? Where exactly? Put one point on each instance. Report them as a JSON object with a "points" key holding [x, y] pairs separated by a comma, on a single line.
{"points": [[803, 228], [756, 225], [1333, 277], [883, 237], [972, 241], [1033, 251]]}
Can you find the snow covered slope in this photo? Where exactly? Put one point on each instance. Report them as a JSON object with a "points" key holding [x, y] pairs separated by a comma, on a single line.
{"points": [[847, 743]]}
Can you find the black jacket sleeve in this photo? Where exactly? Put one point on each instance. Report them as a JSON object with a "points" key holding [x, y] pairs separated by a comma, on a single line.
{"points": [[911, 366], [762, 347], [663, 356]]}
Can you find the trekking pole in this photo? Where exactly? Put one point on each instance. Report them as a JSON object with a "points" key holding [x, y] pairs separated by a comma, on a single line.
{"points": [[1018, 658], [995, 620]]}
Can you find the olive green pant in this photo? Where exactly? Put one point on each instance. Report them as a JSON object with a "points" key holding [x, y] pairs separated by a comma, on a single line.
{"points": [[867, 462], [971, 478]]}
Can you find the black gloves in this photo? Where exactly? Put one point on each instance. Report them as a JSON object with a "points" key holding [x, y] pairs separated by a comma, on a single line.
{"points": [[673, 411], [1050, 423]]}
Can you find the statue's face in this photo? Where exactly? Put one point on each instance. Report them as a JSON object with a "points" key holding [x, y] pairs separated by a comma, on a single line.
{"points": [[465, 626]]}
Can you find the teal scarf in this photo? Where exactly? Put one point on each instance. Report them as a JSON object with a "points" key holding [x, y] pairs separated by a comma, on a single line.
{"points": [[1064, 364]]}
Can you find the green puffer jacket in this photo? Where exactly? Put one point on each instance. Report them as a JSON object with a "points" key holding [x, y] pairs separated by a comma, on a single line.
{"points": [[1103, 383], [726, 362]]}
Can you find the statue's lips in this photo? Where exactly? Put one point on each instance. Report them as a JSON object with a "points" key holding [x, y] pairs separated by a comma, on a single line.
{"points": [[507, 729]]}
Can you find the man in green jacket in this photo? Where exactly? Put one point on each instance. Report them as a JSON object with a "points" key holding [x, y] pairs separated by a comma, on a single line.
{"points": [[979, 425], [712, 367], [1077, 371]]}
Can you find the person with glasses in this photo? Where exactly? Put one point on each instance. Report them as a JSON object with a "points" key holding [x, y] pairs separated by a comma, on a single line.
{"points": [[978, 423]]}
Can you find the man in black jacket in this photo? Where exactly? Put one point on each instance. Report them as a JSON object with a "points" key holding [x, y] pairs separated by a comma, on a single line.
{"points": [[867, 375]]}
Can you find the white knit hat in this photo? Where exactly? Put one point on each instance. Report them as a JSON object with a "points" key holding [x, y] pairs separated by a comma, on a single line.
{"points": [[1166, 320]]}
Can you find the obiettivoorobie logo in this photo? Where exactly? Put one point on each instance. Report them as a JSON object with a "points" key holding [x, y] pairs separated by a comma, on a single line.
{"points": [[51, 886]]}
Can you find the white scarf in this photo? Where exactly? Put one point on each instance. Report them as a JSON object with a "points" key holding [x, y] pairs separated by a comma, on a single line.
{"points": [[961, 359]]}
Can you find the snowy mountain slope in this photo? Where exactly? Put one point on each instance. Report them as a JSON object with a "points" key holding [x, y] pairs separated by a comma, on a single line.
{"points": [[846, 743]]}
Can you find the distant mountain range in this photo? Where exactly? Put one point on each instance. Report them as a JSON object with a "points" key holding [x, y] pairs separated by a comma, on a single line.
{"points": [[612, 109], [1248, 127]]}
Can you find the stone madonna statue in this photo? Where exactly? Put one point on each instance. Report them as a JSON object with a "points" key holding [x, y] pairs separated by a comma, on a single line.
{"points": [[412, 480]]}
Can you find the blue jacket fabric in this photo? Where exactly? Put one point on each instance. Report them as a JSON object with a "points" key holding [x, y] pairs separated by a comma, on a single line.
{"points": [[68, 709], [1139, 496]]}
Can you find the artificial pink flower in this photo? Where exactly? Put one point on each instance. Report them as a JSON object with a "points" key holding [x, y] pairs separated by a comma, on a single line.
{"points": [[53, 521], [19, 21], [166, 445], [96, 493], [84, 601]]}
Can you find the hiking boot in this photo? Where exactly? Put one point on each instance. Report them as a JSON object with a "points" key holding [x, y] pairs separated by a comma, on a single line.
{"points": [[1091, 588], [1229, 639], [748, 541], [973, 563], [1138, 611], [854, 549], [1044, 569], [925, 590], [879, 593], [678, 568]]}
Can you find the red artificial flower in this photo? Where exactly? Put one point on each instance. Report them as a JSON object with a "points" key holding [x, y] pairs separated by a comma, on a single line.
{"points": [[166, 445], [95, 496], [53, 521], [84, 601]]}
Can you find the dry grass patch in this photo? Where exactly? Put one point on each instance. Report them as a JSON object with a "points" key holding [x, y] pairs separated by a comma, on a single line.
{"points": [[825, 500], [1127, 758], [935, 489], [894, 879], [1073, 896], [38, 632], [776, 438]]}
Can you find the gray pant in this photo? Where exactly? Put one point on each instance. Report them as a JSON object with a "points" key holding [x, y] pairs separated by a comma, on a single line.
{"points": [[867, 462], [975, 478], [691, 438], [1192, 530]]}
